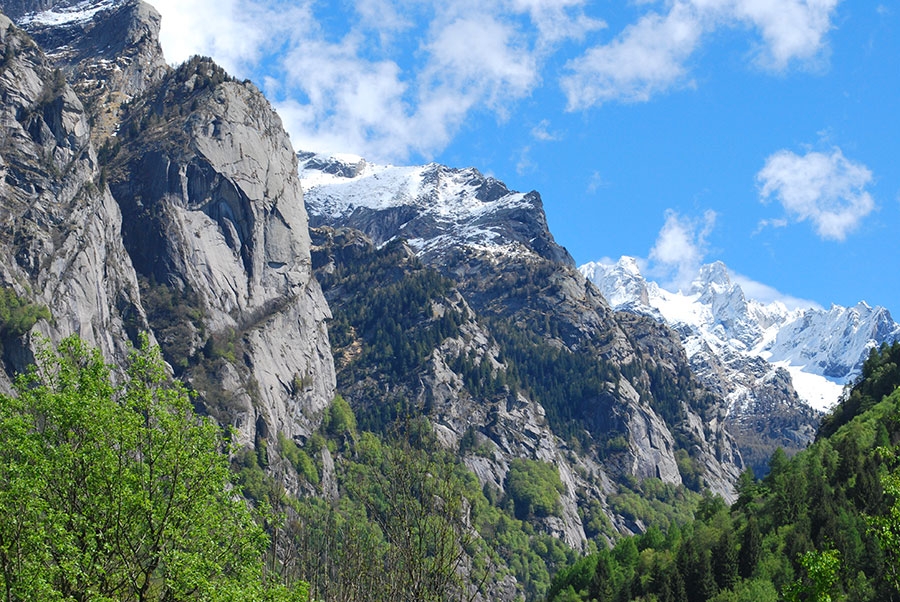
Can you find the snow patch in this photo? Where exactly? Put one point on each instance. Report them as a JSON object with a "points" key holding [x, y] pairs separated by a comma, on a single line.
{"points": [[77, 13]]}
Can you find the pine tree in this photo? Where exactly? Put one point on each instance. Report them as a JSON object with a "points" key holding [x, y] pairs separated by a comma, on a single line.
{"points": [[751, 548]]}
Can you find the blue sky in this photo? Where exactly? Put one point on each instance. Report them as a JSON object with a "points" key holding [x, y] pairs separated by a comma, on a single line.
{"points": [[762, 133]]}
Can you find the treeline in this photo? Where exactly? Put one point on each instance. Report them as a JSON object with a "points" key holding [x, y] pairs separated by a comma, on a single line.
{"points": [[823, 525]]}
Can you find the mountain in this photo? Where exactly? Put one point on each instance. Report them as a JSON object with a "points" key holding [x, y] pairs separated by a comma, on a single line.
{"points": [[755, 354], [608, 391], [822, 349]]}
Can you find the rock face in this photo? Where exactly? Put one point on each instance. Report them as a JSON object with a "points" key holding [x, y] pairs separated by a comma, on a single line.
{"points": [[206, 179], [14, 9], [531, 304], [212, 257], [61, 244], [108, 49]]}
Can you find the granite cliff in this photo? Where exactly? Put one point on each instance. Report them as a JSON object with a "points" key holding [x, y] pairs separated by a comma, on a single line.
{"points": [[143, 198]]}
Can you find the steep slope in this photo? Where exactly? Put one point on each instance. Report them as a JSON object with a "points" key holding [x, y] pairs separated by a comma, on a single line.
{"points": [[596, 375], [406, 344], [61, 244], [215, 261]]}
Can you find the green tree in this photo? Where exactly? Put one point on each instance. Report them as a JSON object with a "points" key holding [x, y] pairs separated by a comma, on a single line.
{"points": [[751, 548], [118, 492], [886, 527], [821, 575], [603, 587], [418, 502]]}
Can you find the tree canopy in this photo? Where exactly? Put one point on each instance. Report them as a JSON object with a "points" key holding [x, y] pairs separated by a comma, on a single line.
{"points": [[119, 491]]}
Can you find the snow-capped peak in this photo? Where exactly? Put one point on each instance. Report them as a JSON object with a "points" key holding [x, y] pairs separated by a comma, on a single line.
{"points": [[434, 207], [822, 349], [713, 275]]}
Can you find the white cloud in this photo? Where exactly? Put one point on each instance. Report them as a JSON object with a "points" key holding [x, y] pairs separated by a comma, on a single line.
{"points": [[767, 294], [596, 182], [396, 78], [651, 56], [478, 57], [792, 30], [646, 58], [233, 32], [826, 189], [680, 249], [542, 133], [558, 20]]}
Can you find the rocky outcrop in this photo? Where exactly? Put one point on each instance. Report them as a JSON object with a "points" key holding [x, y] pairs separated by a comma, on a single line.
{"points": [[206, 178], [215, 262], [61, 243]]}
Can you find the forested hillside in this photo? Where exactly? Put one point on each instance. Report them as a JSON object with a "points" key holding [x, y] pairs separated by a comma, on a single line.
{"points": [[823, 525]]}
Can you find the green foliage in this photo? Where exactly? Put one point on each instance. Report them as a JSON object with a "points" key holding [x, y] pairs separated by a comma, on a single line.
{"points": [[118, 492], [339, 419], [653, 502], [690, 470], [886, 527], [880, 376], [299, 459], [18, 316], [821, 570], [574, 578], [534, 487]]}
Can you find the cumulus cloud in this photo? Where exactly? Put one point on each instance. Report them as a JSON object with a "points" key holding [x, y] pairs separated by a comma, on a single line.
{"points": [[646, 58], [233, 32], [791, 30], [826, 189], [399, 78], [652, 55], [346, 91], [680, 249]]}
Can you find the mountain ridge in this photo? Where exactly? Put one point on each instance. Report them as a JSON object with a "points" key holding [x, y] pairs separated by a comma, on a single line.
{"points": [[801, 340]]}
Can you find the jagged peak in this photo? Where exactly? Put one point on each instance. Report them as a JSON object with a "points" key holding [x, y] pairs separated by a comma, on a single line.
{"points": [[712, 275], [717, 311]]}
